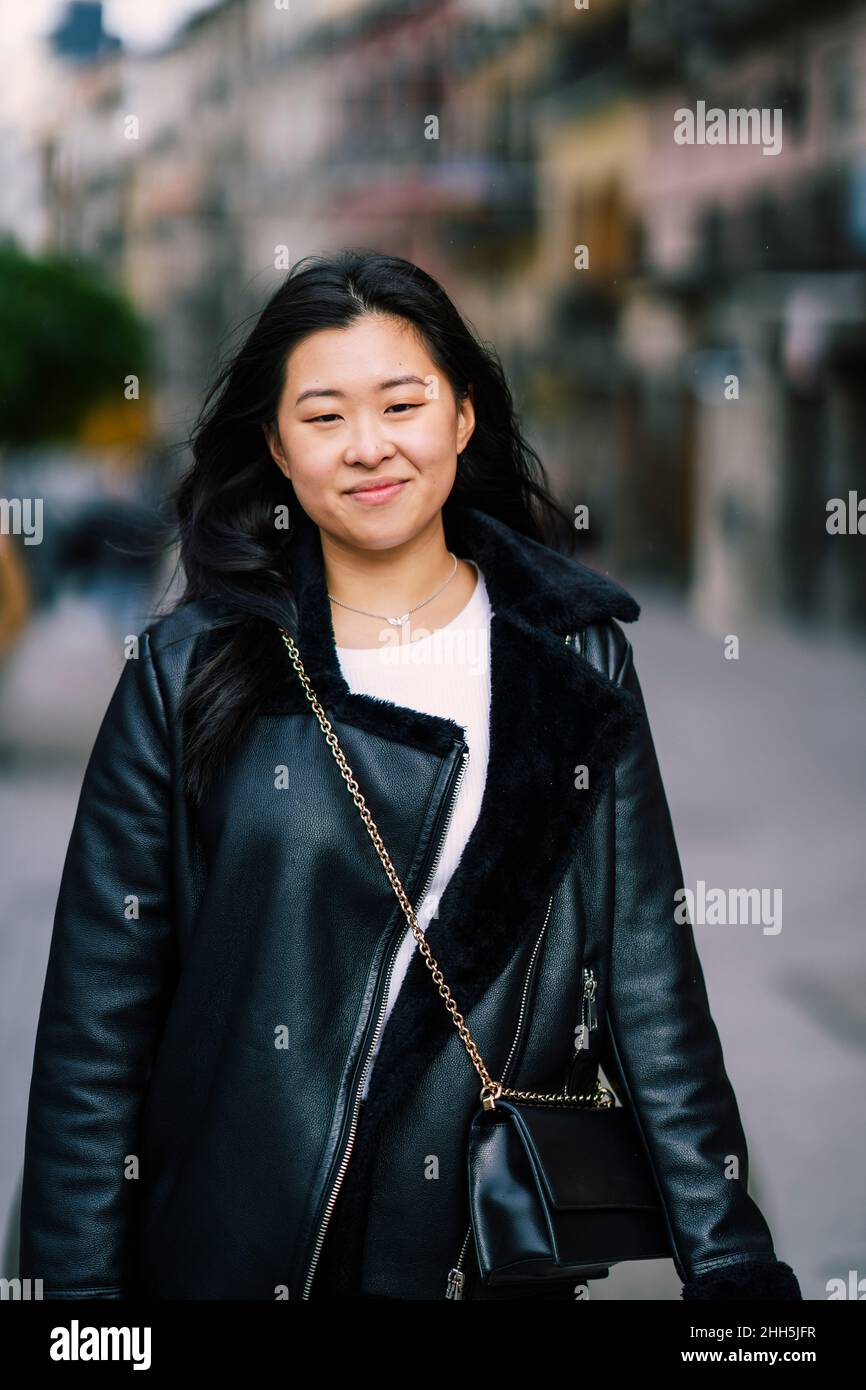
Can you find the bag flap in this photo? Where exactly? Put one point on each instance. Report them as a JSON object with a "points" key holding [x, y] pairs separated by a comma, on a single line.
{"points": [[584, 1157]]}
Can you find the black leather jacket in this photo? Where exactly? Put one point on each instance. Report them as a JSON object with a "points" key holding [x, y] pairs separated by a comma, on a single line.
{"points": [[216, 976]]}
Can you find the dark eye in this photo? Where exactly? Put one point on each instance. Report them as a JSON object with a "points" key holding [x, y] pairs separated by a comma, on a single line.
{"points": [[400, 405]]}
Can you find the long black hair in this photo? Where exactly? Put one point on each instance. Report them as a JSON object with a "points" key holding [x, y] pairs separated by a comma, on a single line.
{"points": [[228, 545]]}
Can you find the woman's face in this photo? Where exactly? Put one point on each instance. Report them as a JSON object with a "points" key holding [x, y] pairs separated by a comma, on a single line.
{"points": [[364, 403]]}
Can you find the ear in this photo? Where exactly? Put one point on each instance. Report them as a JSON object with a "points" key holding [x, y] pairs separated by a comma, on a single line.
{"points": [[275, 451], [465, 421]]}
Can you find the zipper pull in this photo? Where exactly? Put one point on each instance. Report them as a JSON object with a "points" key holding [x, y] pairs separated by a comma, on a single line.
{"points": [[589, 985], [456, 1278], [588, 1015]]}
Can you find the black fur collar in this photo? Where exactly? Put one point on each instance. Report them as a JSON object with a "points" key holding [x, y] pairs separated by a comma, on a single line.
{"points": [[550, 711]]}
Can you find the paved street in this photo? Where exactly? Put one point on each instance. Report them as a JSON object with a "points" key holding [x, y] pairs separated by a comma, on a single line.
{"points": [[764, 760], [765, 765]]}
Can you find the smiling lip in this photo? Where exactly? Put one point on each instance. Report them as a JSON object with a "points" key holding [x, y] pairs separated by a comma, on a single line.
{"points": [[378, 493]]}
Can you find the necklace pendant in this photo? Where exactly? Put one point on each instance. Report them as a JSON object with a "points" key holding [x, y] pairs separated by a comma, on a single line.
{"points": [[399, 622]]}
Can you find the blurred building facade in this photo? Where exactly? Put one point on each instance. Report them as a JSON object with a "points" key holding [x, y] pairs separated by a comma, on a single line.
{"points": [[693, 376]]}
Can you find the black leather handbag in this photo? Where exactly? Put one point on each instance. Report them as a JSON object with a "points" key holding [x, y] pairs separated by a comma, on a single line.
{"points": [[560, 1187]]}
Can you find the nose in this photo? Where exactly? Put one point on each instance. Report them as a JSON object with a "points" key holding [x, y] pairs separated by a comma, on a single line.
{"points": [[370, 444]]}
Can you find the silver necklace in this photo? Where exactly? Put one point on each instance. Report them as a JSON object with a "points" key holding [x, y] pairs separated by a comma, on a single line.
{"points": [[399, 621]]}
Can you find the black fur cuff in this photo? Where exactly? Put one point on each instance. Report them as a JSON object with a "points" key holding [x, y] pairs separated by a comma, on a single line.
{"points": [[757, 1279]]}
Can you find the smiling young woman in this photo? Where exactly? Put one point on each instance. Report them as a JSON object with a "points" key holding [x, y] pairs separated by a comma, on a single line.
{"points": [[260, 1037], [368, 432]]}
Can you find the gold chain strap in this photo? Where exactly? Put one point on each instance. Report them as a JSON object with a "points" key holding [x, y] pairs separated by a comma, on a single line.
{"points": [[491, 1091]]}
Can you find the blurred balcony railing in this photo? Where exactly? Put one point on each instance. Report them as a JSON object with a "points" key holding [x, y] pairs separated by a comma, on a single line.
{"points": [[816, 225], [666, 34]]}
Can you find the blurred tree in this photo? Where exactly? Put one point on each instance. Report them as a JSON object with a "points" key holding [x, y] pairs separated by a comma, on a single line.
{"points": [[68, 341]]}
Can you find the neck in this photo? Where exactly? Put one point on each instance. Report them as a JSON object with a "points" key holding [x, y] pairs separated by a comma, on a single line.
{"points": [[387, 580]]}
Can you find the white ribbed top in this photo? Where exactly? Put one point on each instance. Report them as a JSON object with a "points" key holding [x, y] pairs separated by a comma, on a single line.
{"points": [[446, 673]]}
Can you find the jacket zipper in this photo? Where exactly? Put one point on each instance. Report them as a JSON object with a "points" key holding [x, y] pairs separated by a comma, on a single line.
{"points": [[588, 1017], [456, 1276], [347, 1152]]}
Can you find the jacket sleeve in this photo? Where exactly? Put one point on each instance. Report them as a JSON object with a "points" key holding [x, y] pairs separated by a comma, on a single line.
{"points": [[105, 992], [667, 1052]]}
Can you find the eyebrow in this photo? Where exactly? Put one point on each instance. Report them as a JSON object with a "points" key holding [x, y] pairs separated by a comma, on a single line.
{"points": [[383, 386]]}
